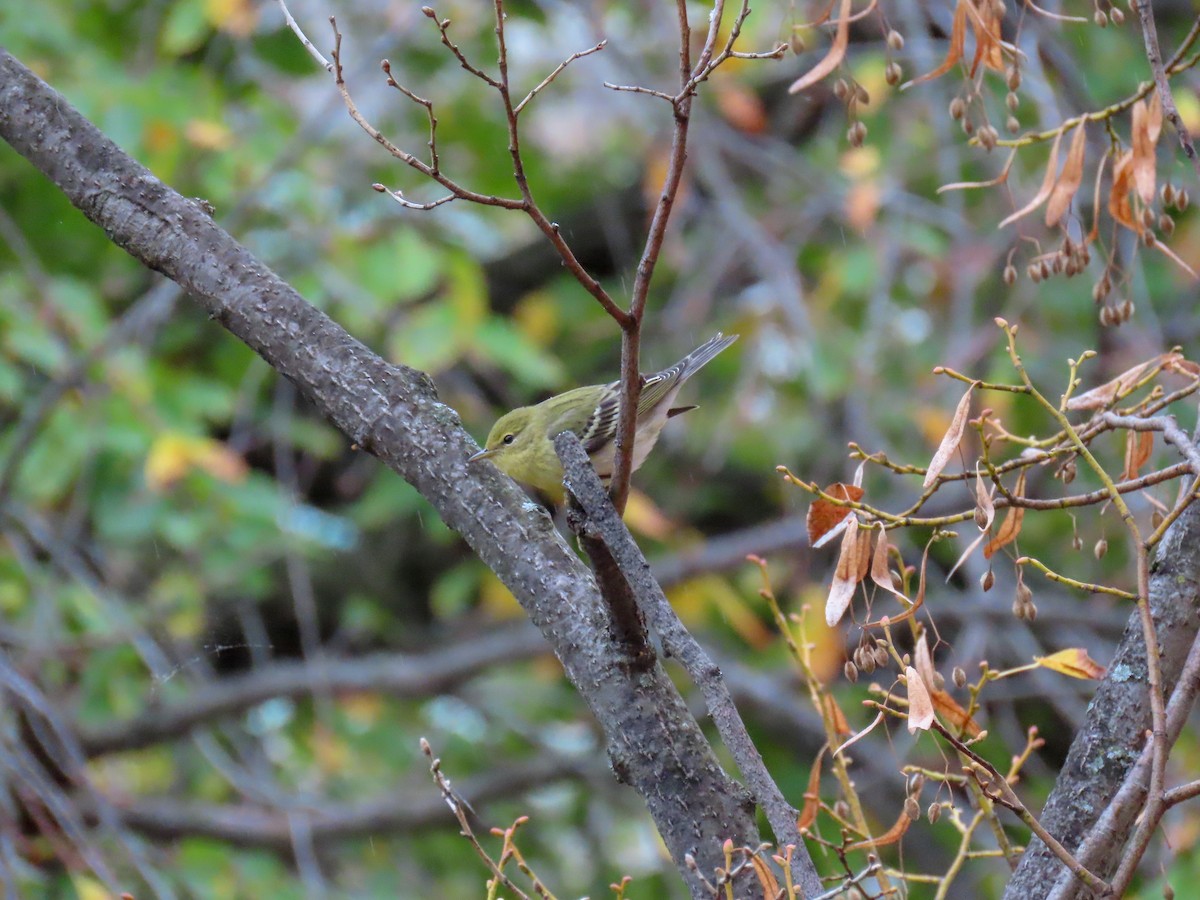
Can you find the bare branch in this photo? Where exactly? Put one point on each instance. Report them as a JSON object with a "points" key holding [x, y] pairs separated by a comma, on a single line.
{"points": [[549, 78], [303, 38], [399, 197], [443, 27], [635, 89], [434, 164]]}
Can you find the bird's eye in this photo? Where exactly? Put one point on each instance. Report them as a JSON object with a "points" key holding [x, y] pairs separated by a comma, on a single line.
{"points": [[509, 438]]}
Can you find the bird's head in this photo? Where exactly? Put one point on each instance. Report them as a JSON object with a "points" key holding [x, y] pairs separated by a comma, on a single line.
{"points": [[509, 436]]}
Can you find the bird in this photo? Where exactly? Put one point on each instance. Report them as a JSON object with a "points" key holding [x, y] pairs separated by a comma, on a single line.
{"points": [[520, 444]]}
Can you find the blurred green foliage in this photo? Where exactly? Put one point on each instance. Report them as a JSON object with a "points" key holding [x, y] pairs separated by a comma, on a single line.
{"points": [[174, 490]]}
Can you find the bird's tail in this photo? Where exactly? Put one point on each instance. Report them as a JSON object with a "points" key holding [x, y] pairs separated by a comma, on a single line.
{"points": [[665, 383], [703, 355]]}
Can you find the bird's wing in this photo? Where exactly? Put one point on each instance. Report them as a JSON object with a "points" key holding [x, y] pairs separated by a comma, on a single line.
{"points": [[593, 420], [601, 426]]}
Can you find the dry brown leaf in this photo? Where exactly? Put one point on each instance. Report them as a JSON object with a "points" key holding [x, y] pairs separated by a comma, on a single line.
{"points": [[1119, 206], [948, 708], [1108, 393], [1029, 4], [766, 878], [1170, 254], [825, 515], [1145, 136], [864, 555], [1047, 184], [841, 591], [958, 36], [966, 554], [1069, 179], [1181, 366], [986, 26], [983, 501], [833, 713], [916, 604], [837, 51], [1074, 662], [880, 574], [1154, 117], [922, 660], [920, 704], [812, 796], [1092, 235], [1011, 526], [862, 734], [892, 835], [1138, 447], [950, 440], [998, 180]]}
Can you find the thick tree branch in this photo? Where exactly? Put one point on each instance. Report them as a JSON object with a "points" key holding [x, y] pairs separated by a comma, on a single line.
{"points": [[1112, 739], [1154, 56], [394, 413], [603, 525]]}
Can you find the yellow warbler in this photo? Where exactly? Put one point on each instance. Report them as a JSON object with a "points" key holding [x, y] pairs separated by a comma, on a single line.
{"points": [[521, 442]]}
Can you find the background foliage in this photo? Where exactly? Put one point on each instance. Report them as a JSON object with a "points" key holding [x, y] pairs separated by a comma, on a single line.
{"points": [[174, 515]]}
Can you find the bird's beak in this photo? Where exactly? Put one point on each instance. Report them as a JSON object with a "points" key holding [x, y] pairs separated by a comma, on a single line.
{"points": [[482, 454]]}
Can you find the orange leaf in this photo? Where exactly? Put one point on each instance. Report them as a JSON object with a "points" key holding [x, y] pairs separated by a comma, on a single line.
{"points": [[766, 878], [1011, 526], [824, 515], [920, 704], [1069, 179], [987, 39], [845, 579], [947, 707], [812, 796], [1138, 447], [741, 107], [892, 835], [837, 51], [1074, 662], [1047, 185], [1119, 206], [173, 455], [958, 36]]}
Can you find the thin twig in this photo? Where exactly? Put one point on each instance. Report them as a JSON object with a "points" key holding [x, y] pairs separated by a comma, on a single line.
{"points": [[635, 89], [557, 71], [631, 335], [998, 789]]}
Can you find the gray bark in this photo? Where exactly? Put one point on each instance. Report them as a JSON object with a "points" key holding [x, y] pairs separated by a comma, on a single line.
{"points": [[1118, 718]]}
